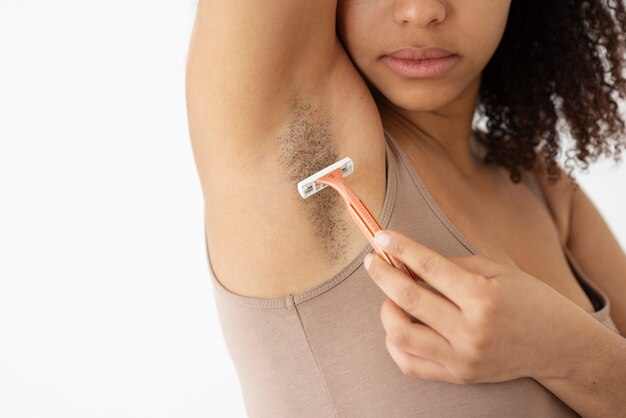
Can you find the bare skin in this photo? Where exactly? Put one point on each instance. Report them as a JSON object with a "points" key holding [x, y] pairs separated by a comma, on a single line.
{"points": [[255, 210]]}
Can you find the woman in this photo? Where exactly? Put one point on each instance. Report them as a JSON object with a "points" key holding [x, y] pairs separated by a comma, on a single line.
{"points": [[278, 90]]}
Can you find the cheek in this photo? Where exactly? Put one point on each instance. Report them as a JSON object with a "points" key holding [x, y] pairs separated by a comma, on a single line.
{"points": [[479, 38], [355, 23], [483, 32], [484, 45]]}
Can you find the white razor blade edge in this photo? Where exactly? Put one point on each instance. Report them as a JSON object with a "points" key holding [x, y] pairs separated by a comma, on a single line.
{"points": [[308, 187]]}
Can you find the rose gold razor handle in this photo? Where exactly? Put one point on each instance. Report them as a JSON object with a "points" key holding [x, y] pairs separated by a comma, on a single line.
{"points": [[363, 217]]}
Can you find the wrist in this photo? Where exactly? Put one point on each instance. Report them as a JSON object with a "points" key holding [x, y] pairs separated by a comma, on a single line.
{"points": [[590, 374], [575, 350]]}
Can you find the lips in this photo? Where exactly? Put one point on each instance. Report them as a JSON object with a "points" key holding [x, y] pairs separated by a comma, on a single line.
{"points": [[420, 53], [420, 63]]}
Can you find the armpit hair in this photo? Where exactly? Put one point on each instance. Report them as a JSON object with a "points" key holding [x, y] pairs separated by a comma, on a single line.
{"points": [[306, 147]]}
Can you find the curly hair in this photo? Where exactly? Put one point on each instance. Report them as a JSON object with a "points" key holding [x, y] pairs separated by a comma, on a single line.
{"points": [[548, 68]]}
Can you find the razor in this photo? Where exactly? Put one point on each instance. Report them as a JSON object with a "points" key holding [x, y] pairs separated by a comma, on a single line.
{"points": [[333, 176]]}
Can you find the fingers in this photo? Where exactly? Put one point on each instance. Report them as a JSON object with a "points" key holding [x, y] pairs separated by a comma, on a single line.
{"points": [[416, 339], [452, 280], [437, 312], [417, 350], [415, 366]]}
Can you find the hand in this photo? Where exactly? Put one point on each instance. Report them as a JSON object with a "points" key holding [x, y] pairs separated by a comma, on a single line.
{"points": [[486, 321]]}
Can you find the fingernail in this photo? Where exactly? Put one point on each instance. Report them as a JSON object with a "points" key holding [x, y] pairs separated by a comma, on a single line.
{"points": [[367, 261], [382, 238]]}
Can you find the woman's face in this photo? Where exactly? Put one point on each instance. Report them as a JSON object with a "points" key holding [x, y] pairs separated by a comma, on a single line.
{"points": [[471, 29]]}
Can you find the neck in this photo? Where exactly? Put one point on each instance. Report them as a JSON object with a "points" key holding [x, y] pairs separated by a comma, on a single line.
{"points": [[446, 131]]}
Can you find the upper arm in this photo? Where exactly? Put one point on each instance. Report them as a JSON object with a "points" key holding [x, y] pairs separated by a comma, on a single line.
{"points": [[247, 58], [598, 253], [588, 237]]}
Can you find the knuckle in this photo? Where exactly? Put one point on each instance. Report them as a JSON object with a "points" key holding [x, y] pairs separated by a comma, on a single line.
{"points": [[478, 345], [397, 337], [407, 370], [468, 347], [480, 285], [475, 349], [470, 373], [482, 344], [466, 372], [486, 307], [465, 378], [484, 312], [456, 371], [408, 298], [429, 264], [397, 247]]}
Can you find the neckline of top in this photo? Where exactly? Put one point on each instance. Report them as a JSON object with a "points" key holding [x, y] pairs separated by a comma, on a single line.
{"points": [[603, 312]]}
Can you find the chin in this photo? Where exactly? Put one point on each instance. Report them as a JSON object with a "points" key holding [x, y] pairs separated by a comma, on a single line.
{"points": [[418, 100]]}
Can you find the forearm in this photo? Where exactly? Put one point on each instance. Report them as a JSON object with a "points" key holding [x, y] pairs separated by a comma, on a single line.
{"points": [[590, 377]]}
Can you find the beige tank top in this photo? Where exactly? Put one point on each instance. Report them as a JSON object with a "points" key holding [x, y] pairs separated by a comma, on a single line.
{"points": [[321, 353]]}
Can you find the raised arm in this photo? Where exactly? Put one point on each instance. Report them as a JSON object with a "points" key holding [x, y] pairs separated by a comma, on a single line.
{"points": [[247, 58], [273, 97]]}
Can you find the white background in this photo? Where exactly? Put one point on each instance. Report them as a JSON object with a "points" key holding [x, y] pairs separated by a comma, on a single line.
{"points": [[106, 306]]}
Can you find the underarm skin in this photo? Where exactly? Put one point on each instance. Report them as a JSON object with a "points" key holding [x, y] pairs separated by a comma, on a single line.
{"points": [[306, 147]]}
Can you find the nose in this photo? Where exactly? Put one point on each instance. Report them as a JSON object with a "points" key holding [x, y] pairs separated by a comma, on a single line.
{"points": [[421, 13]]}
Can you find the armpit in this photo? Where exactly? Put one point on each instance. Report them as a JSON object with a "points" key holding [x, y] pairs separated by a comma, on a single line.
{"points": [[306, 147]]}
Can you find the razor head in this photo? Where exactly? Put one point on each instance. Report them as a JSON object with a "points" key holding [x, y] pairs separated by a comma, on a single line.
{"points": [[308, 187]]}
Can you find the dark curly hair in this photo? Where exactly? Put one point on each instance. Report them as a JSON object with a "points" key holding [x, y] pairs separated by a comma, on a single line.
{"points": [[548, 68]]}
